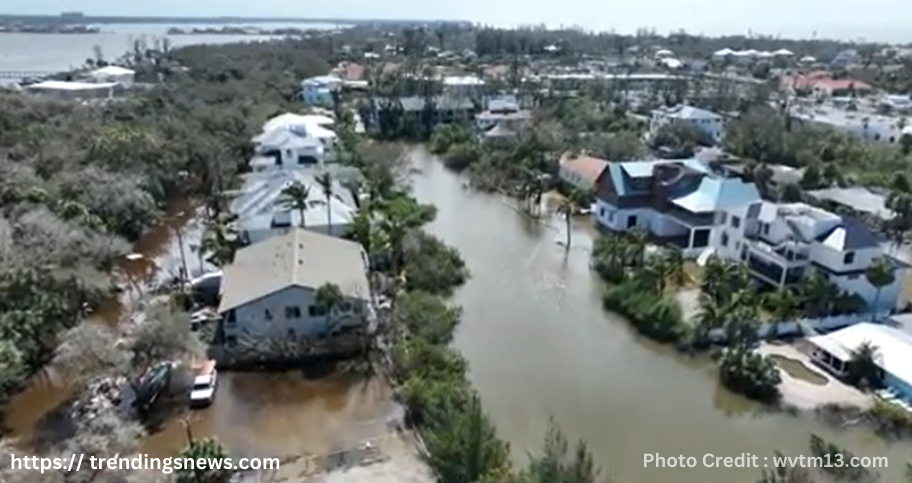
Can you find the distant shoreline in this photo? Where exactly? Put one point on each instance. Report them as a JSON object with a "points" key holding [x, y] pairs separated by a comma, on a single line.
{"points": [[104, 20]]}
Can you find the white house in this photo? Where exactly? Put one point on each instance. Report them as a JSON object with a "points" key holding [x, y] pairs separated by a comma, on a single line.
{"points": [[114, 74], [779, 242], [284, 148], [463, 86], [710, 123], [893, 354], [269, 291], [75, 90], [262, 214], [676, 201], [311, 126]]}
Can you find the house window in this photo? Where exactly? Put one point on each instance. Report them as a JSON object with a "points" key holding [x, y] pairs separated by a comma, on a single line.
{"points": [[849, 258], [291, 334], [316, 311], [345, 306], [631, 221], [723, 217], [854, 276], [231, 319], [268, 315], [292, 312], [602, 212], [736, 222], [231, 341], [766, 228], [724, 239]]}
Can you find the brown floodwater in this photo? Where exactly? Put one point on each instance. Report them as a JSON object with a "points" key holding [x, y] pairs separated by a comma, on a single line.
{"points": [[539, 345], [254, 414]]}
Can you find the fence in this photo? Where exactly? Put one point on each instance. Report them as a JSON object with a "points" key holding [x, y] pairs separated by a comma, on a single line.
{"points": [[806, 325]]}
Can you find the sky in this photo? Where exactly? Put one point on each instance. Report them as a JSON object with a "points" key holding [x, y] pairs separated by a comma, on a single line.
{"points": [[849, 19]]}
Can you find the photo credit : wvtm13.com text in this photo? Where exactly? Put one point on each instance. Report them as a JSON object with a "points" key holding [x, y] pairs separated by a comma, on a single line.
{"points": [[750, 460]]}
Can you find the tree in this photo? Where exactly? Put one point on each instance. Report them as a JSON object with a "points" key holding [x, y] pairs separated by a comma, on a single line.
{"points": [[294, 197], [558, 464], [329, 298], [220, 242], [401, 216], [325, 181], [783, 306], [425, 316], [207, 449], [863, 368], [567, 209], [745, 371], [879, 274], [463, 446]]}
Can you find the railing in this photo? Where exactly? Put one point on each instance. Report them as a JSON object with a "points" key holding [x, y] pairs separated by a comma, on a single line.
{"points": [[808, 326], [24, 74]]}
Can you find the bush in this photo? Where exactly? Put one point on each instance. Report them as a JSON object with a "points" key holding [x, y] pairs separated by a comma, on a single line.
{"points": [[461, 156], [749, 373], [653, 315], [891, 418]]}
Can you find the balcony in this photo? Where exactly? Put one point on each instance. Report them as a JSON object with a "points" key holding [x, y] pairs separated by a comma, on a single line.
{"points": [[787, 252], [771, 272]]}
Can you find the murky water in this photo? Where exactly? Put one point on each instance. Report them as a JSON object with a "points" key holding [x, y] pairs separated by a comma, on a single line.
{"points": [[539, 345]]}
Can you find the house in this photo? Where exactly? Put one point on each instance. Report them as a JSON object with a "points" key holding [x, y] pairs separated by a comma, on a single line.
{"points": [[269, 291], [869, 126], [284, 148], [444, 109], [581, 171], [464, 86], [779, 242], [320, 90], [301, 126], [893, 354], [262, 215], [709, 123], [676, 201], [113, 74], [75, 90], [856, 198], [821, 84]]}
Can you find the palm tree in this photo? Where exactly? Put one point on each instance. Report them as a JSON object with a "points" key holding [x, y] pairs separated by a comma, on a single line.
{"points": [[567, 209], [863, 368], [783, 305], [220, 243], [207, 448], [325, 181], [711, 315], [328, 298], [294, 197], [879, 274], [401, 216], [636, 244], [673, 262], [817, 294]]}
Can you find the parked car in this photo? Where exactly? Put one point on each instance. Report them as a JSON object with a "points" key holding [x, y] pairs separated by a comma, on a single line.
{"points": [[204, 385]]}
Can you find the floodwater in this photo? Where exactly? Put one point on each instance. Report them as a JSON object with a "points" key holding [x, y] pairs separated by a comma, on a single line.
{"points": [[283, 414], [538, 344], [60, 52]]}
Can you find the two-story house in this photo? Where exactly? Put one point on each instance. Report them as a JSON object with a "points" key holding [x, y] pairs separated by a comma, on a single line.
{"points": [[778, 242], [675, 201], [269, 291]]}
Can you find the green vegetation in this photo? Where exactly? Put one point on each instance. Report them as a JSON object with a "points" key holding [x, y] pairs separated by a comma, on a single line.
{"points": [[210, 450]]}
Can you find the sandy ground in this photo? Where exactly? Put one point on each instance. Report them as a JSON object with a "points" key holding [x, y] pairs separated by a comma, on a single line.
{"points": [[394, 459], [689, 302], [805, 395]]}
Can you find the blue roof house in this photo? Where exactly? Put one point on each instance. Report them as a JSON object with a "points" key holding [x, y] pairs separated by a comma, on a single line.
{"points": [[675, 201]]}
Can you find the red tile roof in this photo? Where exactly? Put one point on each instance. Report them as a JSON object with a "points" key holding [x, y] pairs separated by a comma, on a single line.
{"points": [[586, 166]]}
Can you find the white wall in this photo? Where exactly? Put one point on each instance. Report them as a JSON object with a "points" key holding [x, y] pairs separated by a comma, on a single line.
{"points": [[616, 219], [835, 259], [858, 284], [251, 320]]}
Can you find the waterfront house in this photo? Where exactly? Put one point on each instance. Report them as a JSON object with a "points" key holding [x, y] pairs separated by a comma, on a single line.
{"points": [[319, 91], [442, 109], [269, 291], [464, 86], [893, 354], [261, 213], [581, 171], [858, 199], [780, 242], [113, 74], [675, 201], [709, 123], [821, 84], [505, 113]]}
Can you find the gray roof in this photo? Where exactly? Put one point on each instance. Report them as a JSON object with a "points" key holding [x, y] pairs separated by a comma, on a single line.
{"points": [[260, 201], [286, 139], [416, 103], [299, 258], [858, 198], [850, 235]]}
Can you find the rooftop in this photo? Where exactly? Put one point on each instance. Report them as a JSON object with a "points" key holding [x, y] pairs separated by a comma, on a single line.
{"points": [[858, 198], [588, 167], [714, 193], [688, 112], [894, 346], [53, 85], [261, 201], [299, 258]]}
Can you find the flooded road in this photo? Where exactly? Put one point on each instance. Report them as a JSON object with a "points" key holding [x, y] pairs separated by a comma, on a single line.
{"points": [[539, 345]]}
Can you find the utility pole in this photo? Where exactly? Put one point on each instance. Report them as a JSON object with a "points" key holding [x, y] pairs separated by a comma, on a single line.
{"points": [[185, 275]]}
